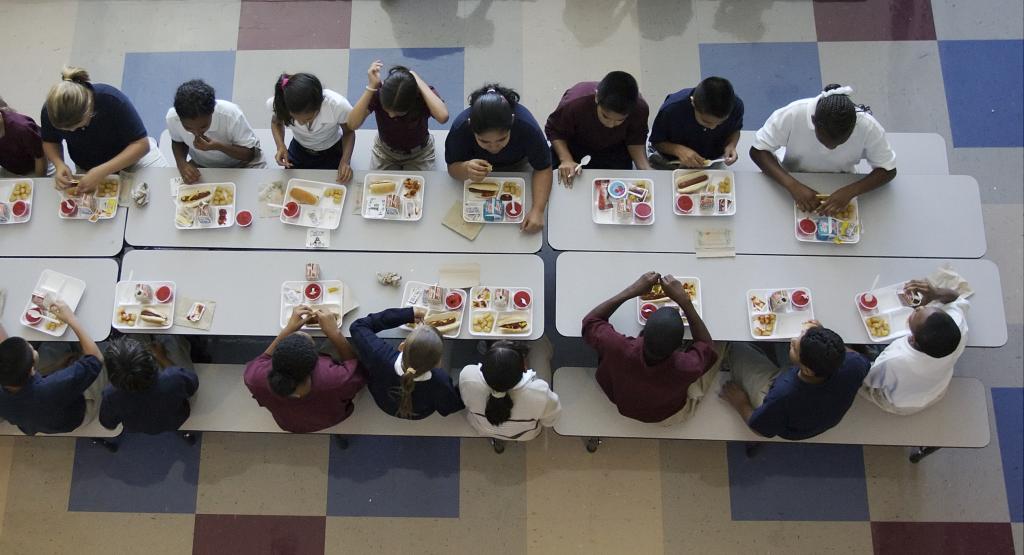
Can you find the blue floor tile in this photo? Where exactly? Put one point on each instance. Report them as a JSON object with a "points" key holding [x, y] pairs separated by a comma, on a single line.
{"points": [[766, 75], [394, 476], [983, 80], [442, 68], [148, 474], [795, 481], [1008, 403], [151, 78]]}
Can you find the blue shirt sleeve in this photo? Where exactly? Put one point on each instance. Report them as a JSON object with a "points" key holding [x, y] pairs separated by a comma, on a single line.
{"points": [[375, 353], [188, 379], [110, 418], [457, 147], [48, 132], [65, 385], [737, 115], [769, 419], [659, 131], [451, 401]]}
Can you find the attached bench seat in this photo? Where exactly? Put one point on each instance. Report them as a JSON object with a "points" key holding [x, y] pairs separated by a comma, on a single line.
{"points": [[959, 420], [92, 429]]}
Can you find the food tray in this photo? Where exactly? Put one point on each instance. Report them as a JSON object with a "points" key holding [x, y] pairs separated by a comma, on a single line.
{"points": [[125, 300], [499, 207], [324, 213], [59, 286], [688, 282], [720, 192], [841, 229], [891, 307], [415, 295], [788, 319], [404, 204], [105, 201], [482, 304], [12, 191], [605, 208], [218, 204], [292, 295]]}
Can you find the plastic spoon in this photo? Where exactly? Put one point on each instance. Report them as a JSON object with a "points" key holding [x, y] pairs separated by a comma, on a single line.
{"points": [[709, 163], [579, 167]]}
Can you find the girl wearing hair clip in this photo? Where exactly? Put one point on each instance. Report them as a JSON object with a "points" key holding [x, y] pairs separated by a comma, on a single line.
{"points": [[318, 119], [826, 133], [506, 400], [496, 133], [405, 382]]}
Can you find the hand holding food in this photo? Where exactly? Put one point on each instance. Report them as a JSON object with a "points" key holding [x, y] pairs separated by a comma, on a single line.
{"points": [[327, 319], [478, 169], [282, 158], [89, 182], [688, 158], [373, 74], [836, 202], [674, 288], [922, 286], [418, 313], [805, 197], [189, 173], [299, 316], [62, 311], [63, 177], [643, 284]]}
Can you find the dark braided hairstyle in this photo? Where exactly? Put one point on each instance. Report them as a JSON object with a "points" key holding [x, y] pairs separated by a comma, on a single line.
{"points": [[502, 369], [836, 115], [823, 351]]}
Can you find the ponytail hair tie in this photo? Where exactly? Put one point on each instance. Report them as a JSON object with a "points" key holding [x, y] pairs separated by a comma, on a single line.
{"points": [[499, 394], [847, 90], [491, 90], [410, 370], [284, 82]]}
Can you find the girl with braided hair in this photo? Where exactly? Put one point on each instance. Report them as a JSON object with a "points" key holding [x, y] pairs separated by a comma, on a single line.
{"points": [[826, 133]]}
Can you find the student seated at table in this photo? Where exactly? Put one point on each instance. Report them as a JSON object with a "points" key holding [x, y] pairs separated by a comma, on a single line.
{"points": [[696, 125], [150, 385], [207, 132], [318, 118], [403, 103], [606, 120], [405, 382], [801, 389], [497, 133], [826, 133], [41, 400], [652, 378], [103, 131], [913, 372], [21, 146], [504, 397], [306, 391]]}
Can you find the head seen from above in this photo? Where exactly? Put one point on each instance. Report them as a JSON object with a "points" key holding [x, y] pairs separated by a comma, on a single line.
{"points": [[17, 361], [400, 95], [70, 103], [818, 350], [491, 115], [130, 365], [421, 353], [292, 363], [713, 100], [297, 98], [503, 368], [617, 95], [835, 116], [194, 103], [663, 334], [933, 332]]}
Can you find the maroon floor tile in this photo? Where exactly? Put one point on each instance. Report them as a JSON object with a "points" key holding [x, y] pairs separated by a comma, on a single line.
{"points": [[294, 25], [842, 20], [258, 535], [942, 538]]}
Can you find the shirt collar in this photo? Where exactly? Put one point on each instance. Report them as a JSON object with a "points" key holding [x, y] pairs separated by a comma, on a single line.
{"points": [[398, 370]]}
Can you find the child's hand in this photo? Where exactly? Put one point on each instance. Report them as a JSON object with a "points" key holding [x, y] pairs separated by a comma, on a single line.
{"points": [[566, 173], [327, 320], [533, 222], [922, 286], [344, 173], [836, 201], [418, 313], [733, 393], [477, 169], [730, 156], [643, 284], [90, 182], [805, 197], [189, 173], [63, 177], [62, 311], [373, 74], [673, 288], [299, 316], [688, 158], [282, 158], [204, 143]]}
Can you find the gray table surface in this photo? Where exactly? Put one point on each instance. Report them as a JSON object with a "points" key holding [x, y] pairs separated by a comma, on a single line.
{"points": [[920, 216], [247, 285], [46, 234], [94, 310], [153, 226], [833, 282]]}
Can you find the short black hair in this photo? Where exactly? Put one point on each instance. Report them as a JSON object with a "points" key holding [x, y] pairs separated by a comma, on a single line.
{"points": [[663, 333], [823, 351], [939, 336], [618, 92], [16, 362], [292, 362], [714, 96], [194, 98], [492, 108], [131, 366]]}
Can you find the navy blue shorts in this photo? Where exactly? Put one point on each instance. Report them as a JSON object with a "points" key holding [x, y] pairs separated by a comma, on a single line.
{"points": [[304, 159]]}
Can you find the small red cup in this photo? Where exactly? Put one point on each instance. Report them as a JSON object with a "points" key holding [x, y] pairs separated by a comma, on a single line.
{"points": [[867, 301], [646, 310], [807, 226], [685, 204], [164, 293], [522, 299], [453, 301], [33, 316], [313, 292], [291, 209], [19, 208], [243, 218], [800, 298], [643, 211], [513, 209], [68, 207]]}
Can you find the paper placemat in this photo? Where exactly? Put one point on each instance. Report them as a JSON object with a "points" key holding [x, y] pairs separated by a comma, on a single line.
{"points": [[270, 193], [348, 300], [181, 307], [715, 243], [124, 195], [459, 276], [454, 221], [357, 200]]}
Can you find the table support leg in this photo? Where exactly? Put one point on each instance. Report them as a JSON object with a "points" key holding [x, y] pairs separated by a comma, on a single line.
{"points": [[106, 444], [342, 442], [592, 444], [921, 452], [188, 437], [751, 449], [498, 445]]}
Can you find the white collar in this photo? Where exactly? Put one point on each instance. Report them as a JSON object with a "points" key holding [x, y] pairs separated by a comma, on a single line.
{"points": [[398, 370], [527, 378]]}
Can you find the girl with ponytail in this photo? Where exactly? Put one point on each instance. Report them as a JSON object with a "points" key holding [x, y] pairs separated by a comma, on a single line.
{"points": [[304, 389], [497, 133], [104, 133], [825, 133], [504, 399], [405, 382]]}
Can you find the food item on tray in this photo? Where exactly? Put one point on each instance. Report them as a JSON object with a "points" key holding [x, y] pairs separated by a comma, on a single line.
{"points": [[411, 187], [434, 295], [163, 293], [313, 292], [195, 197], [223, 196], [643, 211], [500, 298], [203, 214], [806, 226], [647, 309], [383, 187], [656, 294], [522, 299], [444, 322], [684, 204], [19, 209], [724, 205], [494, 210], [800, 299], [707, 201], [482, 298], [291, 209], [143, 293], [4, 213], [483, 322], [335, 193], [108, 188], [765, 325], [33, 315], [152, 317], [867, 301], [725, 185], [690, 288], [68, 207], [511, 188], [302, 196], [312, 271], [21, 191], [185, 217], [485, 190], [878, 326], [513, 323], [222, 216], [692, 182], [125, 317], [513, 209], [638, 192], [195, 312], [454, 300], [847, 213], [778, 301], [757, 303]]}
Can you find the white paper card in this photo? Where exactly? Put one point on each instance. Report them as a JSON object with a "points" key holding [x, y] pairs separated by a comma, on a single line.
{"points": [[318, 238]]}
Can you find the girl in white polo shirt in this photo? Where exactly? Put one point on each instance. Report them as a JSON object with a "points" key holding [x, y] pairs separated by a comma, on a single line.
{"points": [[318, 120], [504, 399], [826, 133]]}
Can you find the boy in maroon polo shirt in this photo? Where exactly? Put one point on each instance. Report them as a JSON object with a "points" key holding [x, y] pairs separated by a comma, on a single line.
{"points": [[21, 146], [606, 120], [652, 378]]}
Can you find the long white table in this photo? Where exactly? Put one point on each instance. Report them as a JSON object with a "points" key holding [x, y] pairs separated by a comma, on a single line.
{"points": [[916, 153], [934, 216], [585, 279], [153, 226], [247, 285], [19, 277], [47, 234]]}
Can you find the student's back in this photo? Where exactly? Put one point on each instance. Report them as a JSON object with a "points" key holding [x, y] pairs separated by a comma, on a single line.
{"points": [[51, 404], [163, 407]]}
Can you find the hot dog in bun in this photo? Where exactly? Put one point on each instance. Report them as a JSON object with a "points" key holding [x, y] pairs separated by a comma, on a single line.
{"points": [[444, 322], [513, 323]]}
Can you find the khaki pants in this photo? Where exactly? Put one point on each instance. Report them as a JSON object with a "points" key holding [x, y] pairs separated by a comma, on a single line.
{"points": [[753, 371], [698, 389], [383, 157]]}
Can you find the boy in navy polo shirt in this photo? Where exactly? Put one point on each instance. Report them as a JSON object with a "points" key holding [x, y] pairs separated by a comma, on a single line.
{"points": [[50, 404], [697, 125]]}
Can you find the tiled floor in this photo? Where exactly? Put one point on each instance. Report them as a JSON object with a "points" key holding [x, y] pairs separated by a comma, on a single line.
{"points": [[946, 66]]}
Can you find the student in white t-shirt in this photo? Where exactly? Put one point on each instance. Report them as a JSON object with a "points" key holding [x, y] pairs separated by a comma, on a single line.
{"points": [[504, 399], [827, 133], [913, 372], [318, 118], [209, 133]]}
